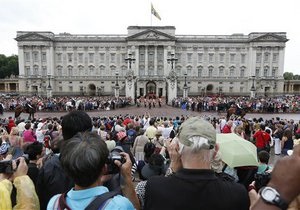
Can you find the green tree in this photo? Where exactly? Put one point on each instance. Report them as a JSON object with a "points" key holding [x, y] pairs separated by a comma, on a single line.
{"points": [[288, 75], [296, 77], [8, 66]]}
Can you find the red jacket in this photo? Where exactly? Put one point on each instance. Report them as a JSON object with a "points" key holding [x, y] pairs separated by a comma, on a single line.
{"points": [[262, 138], [226, 129], [11, 123]]}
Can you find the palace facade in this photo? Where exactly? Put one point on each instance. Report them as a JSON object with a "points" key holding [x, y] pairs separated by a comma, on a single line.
{"points": [[150, 60]]}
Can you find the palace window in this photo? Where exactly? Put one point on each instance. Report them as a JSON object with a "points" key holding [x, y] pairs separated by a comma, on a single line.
{"points": [[210, 71], [91, 57], [59, 57], [35, 70], [257, 72], [80, 70], [221, 57], [113, 57], [91, 68], [266, 57], [242, 73], [70, 57], [231, 71], [59, 71], [35, 57], [189, 57], [275, 57], [27, 56], [70, 71], [243, 58], [44, 71], [80, 57], [258, 57], [200, 71], [44, 57], [221, 71], [211, 58], [266, 71], [102, 57], [200, 57], [232, 58], [27, 70], [189, 70], [274, 71]]}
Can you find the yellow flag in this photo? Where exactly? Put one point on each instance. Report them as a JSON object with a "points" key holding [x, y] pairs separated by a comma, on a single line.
{"points": [[153, 11]]}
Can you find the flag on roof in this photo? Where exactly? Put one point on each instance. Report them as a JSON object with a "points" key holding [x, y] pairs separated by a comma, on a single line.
{"points": [[153, 11]]}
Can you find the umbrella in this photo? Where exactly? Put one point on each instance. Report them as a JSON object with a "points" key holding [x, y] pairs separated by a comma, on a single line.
{"points": [[236, 151]]}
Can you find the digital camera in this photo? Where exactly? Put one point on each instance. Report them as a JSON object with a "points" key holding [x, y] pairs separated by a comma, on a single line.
{"points": [[114, 155], [6, 166], [261, 179]]}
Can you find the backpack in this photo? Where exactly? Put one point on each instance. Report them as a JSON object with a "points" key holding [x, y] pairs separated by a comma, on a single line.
{"points": [[98, 203]]}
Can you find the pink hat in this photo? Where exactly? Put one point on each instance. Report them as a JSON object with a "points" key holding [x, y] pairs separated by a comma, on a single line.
{"points": [[121, 135]]}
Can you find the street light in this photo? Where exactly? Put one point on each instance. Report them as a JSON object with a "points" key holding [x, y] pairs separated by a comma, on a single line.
{"points": [[185, 85], [49, 88], [172, 60], [117, 79], [49, 85], [130, 60], [253, 87]]}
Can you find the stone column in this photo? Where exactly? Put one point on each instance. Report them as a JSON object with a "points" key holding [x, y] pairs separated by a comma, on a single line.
{"points": [[146, 60], [155, 60]]}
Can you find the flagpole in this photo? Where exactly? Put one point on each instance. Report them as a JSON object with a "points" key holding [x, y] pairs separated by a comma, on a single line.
{"points": [[150, 13]]}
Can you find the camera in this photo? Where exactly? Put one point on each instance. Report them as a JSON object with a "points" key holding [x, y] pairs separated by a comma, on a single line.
{"points": [[114, 155], [261, 179], [6, 166]]}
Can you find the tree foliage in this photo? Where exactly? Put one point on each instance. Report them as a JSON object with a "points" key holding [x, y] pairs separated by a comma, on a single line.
{"points": [[8, 66], [288, 76]]}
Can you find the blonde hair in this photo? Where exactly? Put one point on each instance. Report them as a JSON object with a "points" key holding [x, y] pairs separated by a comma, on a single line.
{"points": [[14, 131]]}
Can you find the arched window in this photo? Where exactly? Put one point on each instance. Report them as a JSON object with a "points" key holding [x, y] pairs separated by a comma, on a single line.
{"points": [[200, 71], [210, 71], [221, 71]]}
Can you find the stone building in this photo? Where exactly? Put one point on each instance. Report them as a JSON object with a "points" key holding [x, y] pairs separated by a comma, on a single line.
{"points": [[150, 60]]}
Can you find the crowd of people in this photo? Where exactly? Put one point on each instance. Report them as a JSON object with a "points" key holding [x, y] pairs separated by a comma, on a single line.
{"points": [[144, 162], [221, 103], [65, 103], [279, 104]]}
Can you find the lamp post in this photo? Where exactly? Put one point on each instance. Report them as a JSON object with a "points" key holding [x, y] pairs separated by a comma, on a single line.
{"points": [[185, 87], [252, 90], [172, 60], [130, 79], [49, 88], [129, 60], [117, 87]]}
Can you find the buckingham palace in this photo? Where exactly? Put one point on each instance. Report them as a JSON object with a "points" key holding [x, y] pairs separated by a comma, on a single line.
{"points": [[150, 60]]}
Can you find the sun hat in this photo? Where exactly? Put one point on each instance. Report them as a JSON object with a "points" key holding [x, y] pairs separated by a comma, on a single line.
{"points": [[196, 126], [121, 135]]}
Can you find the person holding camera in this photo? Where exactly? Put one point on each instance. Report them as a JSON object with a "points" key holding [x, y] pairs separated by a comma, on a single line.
{"points": [[283, 190], [11, 173], [83, 158]]}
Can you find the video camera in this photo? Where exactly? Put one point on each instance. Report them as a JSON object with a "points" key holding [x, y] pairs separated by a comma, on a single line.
{"points": [[6, 166], [114, 155]]}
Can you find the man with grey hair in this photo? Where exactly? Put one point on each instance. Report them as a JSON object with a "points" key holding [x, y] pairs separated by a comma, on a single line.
{"points": [[191, 183]]}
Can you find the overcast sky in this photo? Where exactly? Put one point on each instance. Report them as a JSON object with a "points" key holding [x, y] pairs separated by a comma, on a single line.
{"points": [[209, 17]]}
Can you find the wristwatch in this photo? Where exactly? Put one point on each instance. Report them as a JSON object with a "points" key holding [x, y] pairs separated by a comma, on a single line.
{"points": [[271, 196]]}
